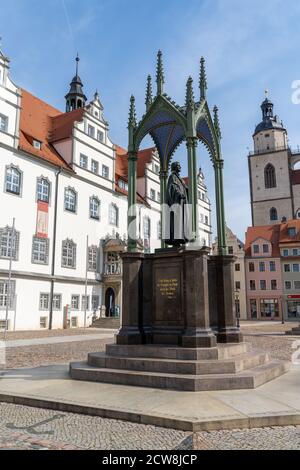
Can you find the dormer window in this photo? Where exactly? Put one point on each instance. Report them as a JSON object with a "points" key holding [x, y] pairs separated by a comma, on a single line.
{"points": [[100, 136], [37, 144], [291, 231], [123, 185]]}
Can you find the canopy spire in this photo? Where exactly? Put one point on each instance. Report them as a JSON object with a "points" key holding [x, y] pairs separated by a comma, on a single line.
{"points": [[217, 123], [202, 80], [160, 79], [149, 93], [189, 97], [132, 113]]}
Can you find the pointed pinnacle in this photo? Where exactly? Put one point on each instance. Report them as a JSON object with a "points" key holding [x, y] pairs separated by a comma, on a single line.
{"points": [[149, 98], [217, 123], [132, 113], [189, 97], [160, 79], [202, 79]]}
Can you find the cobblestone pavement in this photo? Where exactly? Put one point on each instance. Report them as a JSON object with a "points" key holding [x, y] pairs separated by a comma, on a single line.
{"points": [[275, 438], [23, 427], [48, 333], [279, 347]]}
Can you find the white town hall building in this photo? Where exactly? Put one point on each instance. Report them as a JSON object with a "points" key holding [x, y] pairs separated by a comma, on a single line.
{"points": [[63, 206]]}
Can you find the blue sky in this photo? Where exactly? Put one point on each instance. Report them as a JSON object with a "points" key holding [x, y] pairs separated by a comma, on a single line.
{"points": [[249, 46]]}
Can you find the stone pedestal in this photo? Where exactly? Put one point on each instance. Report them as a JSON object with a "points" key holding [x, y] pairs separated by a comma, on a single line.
{"points": [[294, 331]]}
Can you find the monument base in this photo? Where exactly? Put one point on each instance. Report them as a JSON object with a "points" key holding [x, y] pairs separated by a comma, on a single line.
{"points": [[224, 367], [294, 331]]}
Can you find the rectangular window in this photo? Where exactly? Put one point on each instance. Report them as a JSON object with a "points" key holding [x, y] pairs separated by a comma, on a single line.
{"points": [[43, 190], [74, 322], [37, 144], [295, 252], [291, 231], [295, 267], [251, 267], [7, 294], [9, 243], [95, 167], [152, 194], [273, 284], [43, 322], [44, 301], [83, 302], [288, 285], [253, 308], [262, 284], [285, 252], [272, 266], [100, 136], [262, 266], [147, 228], [269, 308], [256, 249], [230, 250], [56, 302], [13, 179], [92, 258], [40, 250], [237, 267], [206, 220], [105, 171], [3, 123], [237, 285], [75, 302], [68, 254], [287, 268], [83, 162], [70, 200], [95, 302], [91, 131], [266, 248], [252, 285], [297, 285]]}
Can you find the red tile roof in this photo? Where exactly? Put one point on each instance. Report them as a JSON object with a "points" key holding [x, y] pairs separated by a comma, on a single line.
{"points": [[267, 232], [284, 236], [296, 177], [36, 124], [62, 125]]}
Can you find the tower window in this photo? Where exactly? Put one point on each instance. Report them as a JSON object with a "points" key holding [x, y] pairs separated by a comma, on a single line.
{"points": [[273, 214], [270, 176]]}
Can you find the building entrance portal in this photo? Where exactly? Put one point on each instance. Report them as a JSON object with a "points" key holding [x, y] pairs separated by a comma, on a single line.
{"points": [[109, 302]]}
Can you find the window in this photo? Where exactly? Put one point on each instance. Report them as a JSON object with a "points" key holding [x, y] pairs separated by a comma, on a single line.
{"points": [[95, 302], [295, 252], [44, 301], [265, 248], [273, 284], [159, 230], [158, 197], [287, 268], [262, 266], [291, 231], [75, 302], [3, 123], [13, 180], [91, 131], [237, 267], [251, 267], [74, 322], [85, 302], [70, 200], [295, 268], [37, 144], [43, 190], [112, 265], [269, 308], [92, 258], [9, 243], [272, 266], [43, 322], [7, 294], [100, 136], [252, 285], [297, 285], [94, 208], [68, 254], [105, 171], [253, 308], [206, 220], [40, 250], [113, 215], [262, 284], [288, 285], [123, 185], [285, 252], [95, 167], [256, 249], [273, 214], [237, 285], [83, 161], [56, 302], [147, 228], [230, 250], [152, 194], [270, 176]]}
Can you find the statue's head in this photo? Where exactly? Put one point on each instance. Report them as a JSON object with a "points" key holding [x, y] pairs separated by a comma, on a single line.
{"points": [[176, 167]]}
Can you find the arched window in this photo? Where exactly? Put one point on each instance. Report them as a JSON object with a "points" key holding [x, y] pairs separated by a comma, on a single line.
{"points": [[273, 214], [270, 176], [43, 189], [94, 208], [113, 215], [70, 200], [298, 214], [68, 259], [13, 180]]}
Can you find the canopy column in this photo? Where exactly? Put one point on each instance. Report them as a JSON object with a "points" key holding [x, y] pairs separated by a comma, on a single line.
{"points": [[131, 219], [191, 144], [218, 168]]}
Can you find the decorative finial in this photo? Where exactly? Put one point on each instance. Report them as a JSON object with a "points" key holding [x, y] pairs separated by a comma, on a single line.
{"points": [[77, 63], [189, 97], [202, 80], [217, 123], [160, 80], [266, 93], [148, 93], [132, 113]]}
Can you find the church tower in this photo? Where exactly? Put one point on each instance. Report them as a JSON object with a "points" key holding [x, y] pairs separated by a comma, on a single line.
{"points": [[269, 170], [75, 98]]}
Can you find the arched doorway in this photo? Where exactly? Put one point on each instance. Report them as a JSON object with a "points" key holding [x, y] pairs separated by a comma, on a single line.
{"points": [[109, 302]]}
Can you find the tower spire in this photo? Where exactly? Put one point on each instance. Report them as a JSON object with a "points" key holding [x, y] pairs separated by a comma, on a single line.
{"points": [[149, 98], [217, 123], [202, 79], [160, 79], [77, 63], [132, 113], [189, 97], [75, 98]]}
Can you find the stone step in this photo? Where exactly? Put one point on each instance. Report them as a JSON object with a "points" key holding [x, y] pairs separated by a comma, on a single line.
{"points": [[244, 380], [178, 366], [222, 351], [107, 322]]}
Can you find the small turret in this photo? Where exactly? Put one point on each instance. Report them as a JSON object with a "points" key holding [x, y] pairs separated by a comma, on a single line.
{"points": [[75, 98]]}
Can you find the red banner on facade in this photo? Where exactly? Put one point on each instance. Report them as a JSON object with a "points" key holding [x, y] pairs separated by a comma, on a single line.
{"points": [[42, 220], [293, 296]]}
